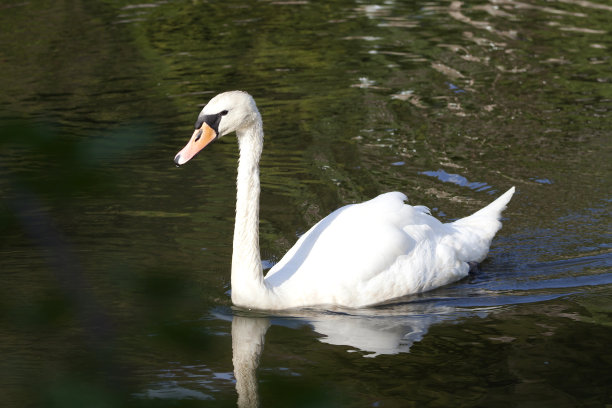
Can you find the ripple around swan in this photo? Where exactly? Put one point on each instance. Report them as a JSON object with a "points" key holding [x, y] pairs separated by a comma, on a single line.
{"points": [[186, 382]]}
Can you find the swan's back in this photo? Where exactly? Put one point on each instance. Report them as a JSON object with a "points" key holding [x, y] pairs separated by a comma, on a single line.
{"points": [[373, 227], [381, 249]]}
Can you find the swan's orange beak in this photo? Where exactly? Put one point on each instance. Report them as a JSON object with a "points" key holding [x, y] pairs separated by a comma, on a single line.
{"points": [[200, 139]]}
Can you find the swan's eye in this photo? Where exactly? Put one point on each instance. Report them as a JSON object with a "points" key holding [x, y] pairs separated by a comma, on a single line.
{"points": [[223, 113]]}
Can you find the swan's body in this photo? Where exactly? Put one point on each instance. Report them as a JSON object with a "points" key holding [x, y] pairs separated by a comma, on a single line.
{"points": [[359, 255]]}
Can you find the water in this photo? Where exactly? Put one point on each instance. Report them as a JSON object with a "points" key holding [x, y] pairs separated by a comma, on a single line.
{"points": [[115, 264]]}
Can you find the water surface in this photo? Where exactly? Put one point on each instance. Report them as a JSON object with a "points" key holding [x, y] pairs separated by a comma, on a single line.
{"points": [[115, 264]]}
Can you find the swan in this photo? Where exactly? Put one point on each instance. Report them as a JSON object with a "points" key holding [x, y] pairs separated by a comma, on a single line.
{"points": [[359, 255]]}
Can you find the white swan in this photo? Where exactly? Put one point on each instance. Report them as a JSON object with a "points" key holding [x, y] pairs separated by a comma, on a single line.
{"points": [[359, 255]]}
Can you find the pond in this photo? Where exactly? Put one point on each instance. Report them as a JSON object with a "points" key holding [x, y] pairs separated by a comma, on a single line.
{"points": [[116, 264]]}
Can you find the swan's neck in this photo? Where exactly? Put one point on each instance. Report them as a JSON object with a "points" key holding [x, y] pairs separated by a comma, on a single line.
{"points": [[248, 287]]}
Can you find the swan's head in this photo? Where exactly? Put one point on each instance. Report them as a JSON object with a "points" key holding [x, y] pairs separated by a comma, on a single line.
{"points": [[225, 113]]}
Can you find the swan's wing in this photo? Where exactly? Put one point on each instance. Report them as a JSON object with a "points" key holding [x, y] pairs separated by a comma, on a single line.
{"points": [[351, 244], [381, 249]]}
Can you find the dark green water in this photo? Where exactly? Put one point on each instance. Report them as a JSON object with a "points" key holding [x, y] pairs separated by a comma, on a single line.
{"points": [[115, 264]]}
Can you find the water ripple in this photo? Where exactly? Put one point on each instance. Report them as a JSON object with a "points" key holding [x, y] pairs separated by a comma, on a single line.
{"points": [[458, 180]]}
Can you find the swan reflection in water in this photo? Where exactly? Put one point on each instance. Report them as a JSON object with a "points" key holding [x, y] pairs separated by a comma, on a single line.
{"points": [[375, 331], [248, 335]]}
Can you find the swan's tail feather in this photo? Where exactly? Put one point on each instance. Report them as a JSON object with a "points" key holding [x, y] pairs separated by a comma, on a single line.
{"points": [[475, 232], [492, 210]]}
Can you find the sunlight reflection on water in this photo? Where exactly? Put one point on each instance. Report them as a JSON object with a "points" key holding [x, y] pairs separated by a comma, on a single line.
{"points": [[459, 180]]}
